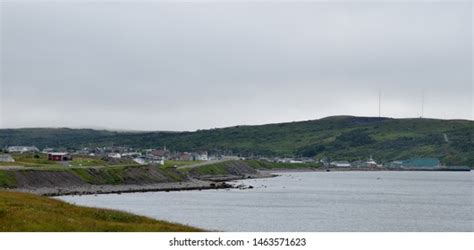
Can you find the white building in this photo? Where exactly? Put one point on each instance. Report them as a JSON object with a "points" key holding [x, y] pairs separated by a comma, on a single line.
{"points": [[289, 160], [296, 162], [22, 149], [131, 154], [140, 161], [157, 161], [340, 164], [230, 157], [47, 150], [201, 156], [114, 155], [6, 158], [372, 163], [144, 160]]}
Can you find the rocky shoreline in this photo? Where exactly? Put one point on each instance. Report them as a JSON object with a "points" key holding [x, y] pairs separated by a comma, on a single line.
{"points": [[107, 180], [125, 188], [223, 178]]}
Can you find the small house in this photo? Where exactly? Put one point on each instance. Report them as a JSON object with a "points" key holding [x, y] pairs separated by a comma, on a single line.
{"points": [[200, 156], [340, 164], [114, 155], [22, 149], [140, 160], [59, 156], [131, 155], [161, 153], [185, 156], [6, 158]]}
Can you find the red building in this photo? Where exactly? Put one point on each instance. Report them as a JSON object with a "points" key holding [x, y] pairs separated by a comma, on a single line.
{"points": [[59, 157]]}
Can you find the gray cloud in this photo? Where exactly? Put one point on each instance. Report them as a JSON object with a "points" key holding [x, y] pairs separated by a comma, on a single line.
{"points": [[184, 66]]}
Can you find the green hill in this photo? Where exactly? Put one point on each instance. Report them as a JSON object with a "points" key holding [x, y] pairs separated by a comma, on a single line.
{"points": [[338, 137]]}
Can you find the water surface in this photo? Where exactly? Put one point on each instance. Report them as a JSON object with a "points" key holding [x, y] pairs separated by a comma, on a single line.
{"points": [[314, 201]]}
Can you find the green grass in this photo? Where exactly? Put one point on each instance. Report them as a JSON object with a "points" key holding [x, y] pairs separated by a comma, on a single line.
{"points": [[106, 175], [30, 158], [174, 175], [20, 212], [87, 161], [172, 163], [84, 174], [11, 164], [213, 169], [33, 160], [7, 179], [113, 175], [40, 160]]}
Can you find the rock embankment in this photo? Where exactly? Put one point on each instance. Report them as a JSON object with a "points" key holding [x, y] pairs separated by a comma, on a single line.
{"points": [[226, 171], [65, 181], [100, 180], [31, 178], [125, 188]]}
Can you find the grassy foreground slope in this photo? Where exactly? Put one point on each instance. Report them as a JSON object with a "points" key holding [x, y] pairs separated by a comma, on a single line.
{"points": [[338, 137], [22, 212]]}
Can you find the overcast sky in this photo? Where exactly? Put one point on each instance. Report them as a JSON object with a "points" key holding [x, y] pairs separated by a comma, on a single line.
{"points": [[187, 66]]}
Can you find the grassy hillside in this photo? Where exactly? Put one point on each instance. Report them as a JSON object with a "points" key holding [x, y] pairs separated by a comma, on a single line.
{"points": [[21, 212], [340, 137]]}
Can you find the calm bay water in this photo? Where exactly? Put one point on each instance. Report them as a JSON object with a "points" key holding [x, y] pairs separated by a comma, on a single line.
{"points": [[314, 201]]}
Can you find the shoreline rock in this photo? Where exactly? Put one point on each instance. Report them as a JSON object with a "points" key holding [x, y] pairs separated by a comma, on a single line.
{"points": [[125, 188]]}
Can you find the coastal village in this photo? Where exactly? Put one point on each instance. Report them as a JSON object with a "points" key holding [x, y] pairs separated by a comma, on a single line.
{"points": [[158, 156]]}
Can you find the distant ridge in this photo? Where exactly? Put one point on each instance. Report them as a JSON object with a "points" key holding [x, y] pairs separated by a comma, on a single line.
{"points": [[99, 128], [335, 137]]}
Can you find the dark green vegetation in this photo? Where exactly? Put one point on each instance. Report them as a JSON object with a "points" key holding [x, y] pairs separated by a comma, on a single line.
{"points": [[341, 137], [7, 179], [21, 212]]}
